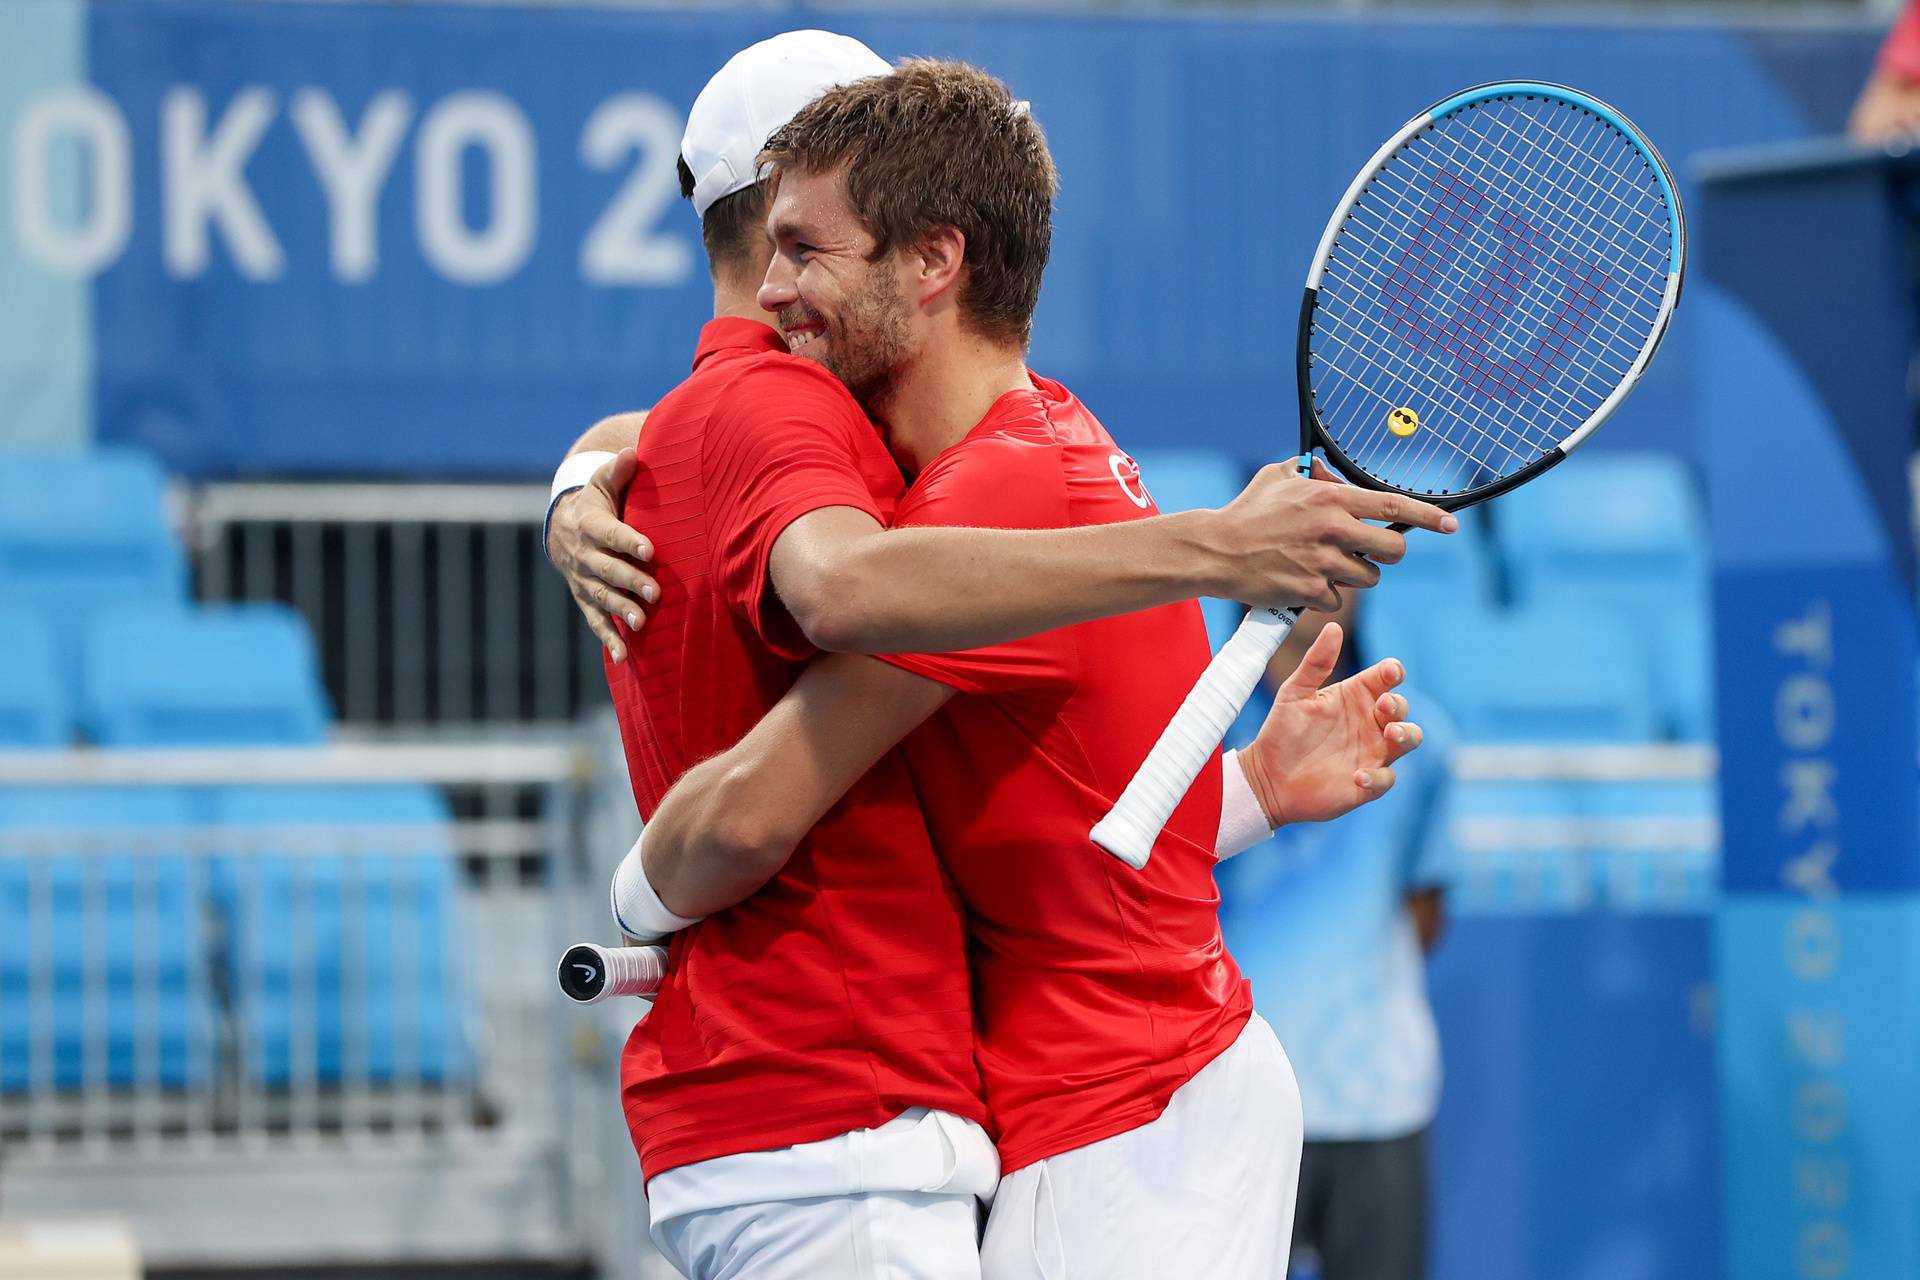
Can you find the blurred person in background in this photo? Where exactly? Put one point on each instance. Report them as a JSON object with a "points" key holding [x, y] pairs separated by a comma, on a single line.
{"points": [[1330, 922], [1889, 105]]}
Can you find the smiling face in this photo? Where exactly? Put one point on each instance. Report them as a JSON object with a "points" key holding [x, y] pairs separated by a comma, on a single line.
{"points": [[831, 299], [932, 160]]}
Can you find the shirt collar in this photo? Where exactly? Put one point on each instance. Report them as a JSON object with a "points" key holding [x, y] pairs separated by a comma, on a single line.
{"points": [[730, 333]]}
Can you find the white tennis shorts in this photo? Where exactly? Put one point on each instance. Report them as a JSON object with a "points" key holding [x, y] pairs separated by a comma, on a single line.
{"points": [[898, 1202], [870, 1235], [1205, 1190]]}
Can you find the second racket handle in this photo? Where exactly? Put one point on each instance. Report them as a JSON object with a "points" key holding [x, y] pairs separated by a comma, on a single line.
{"points": [[590, 973], [1188, 741]]}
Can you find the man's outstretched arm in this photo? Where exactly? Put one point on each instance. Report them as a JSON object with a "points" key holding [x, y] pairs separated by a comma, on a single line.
{"points": [[856, 587], [729, 824]]}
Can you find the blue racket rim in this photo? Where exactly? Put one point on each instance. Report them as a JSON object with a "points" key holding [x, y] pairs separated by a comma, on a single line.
{"points": [[1676, 215]]}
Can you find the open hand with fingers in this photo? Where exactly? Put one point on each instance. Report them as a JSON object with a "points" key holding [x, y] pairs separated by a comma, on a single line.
{"points": [[1326, 751], [600, 557], [1287, 542]]}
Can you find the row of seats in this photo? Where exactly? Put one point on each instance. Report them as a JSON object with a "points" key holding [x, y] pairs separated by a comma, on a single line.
{"points": [[1640, 845], [1625, 528], [1553, 671], [1572, 610], [317, 917], [135, 922], [176, 676], [1620, 530], [101, 639]]}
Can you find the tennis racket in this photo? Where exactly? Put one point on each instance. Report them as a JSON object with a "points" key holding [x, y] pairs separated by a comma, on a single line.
{"points": [[590, 973], [1489, 290]]}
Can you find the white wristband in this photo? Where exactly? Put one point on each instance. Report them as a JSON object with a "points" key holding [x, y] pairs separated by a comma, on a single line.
{"points": [[637, 909], [575, 472], [1243, 823]]}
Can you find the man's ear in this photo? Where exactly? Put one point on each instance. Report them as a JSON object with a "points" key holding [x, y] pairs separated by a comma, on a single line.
{"points": [[941, 260]]}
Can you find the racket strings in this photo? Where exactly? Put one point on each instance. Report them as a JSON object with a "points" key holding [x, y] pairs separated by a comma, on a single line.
{"points": [[1493, 262], [1500, 276], [1582, 217], [1565, 208], [1333, 408], [1479, 319], [1646, 287], [1488, 440], [1588, 149], [1622, 304], [1427, 381], [1476, 264], [1643, 294]]}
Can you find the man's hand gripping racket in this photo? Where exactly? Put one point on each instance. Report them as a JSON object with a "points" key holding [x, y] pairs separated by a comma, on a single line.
{"points": [[1488, 291]]}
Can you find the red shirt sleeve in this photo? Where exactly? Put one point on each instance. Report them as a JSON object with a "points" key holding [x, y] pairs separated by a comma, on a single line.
{"points": [[1900, 52], [993, 482], [783, 439]]}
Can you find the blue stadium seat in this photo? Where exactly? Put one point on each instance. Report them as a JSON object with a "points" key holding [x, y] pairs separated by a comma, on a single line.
{"points": [[1616, 529], [35, 709], [162, 1039], [102, 921], [84, 532], [1186, 480], [342, 924], [1399, 624], [1439, 571], [234, 675], [1551, 673], [1441, 578]]}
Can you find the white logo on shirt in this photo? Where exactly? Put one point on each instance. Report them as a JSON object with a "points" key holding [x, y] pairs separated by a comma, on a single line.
{"points": [[1127, 472]]}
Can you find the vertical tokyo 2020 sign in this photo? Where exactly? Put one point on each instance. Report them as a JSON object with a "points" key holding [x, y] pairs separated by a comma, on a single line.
{"points": [[1808, 434]]}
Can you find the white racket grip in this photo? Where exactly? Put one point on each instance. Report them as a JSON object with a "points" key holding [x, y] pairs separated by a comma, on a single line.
{"points": [[590, 973], [1128, 832]]}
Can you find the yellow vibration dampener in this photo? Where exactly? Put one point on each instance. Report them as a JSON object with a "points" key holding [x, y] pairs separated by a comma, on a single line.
{"points": [[1403, 422]]}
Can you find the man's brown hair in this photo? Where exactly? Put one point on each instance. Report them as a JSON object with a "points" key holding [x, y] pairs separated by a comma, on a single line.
{"points": [[940, 144], [732, 225]]}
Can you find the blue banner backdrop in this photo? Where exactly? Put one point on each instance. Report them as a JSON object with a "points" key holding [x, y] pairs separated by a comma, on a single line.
{"points": [[441, 240]]}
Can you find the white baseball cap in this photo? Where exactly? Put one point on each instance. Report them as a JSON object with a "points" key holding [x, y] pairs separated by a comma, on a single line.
{"points": [[761, 88]]}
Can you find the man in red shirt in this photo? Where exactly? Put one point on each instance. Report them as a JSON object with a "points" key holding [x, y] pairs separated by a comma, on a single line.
{"points": [[1149, 1123], [803, 1095]]}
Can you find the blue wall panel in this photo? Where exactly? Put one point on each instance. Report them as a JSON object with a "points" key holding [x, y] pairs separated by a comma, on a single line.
{"points": [[1199, 158], [1578, 1134]]}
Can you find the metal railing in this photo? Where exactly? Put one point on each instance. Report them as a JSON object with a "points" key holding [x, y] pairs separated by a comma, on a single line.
{"points": [[431, 604], [1576, 828], [290, 1042], [299, 1043]]}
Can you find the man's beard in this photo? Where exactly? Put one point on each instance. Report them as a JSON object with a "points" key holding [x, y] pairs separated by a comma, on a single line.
{"points": [[871, 338]]}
